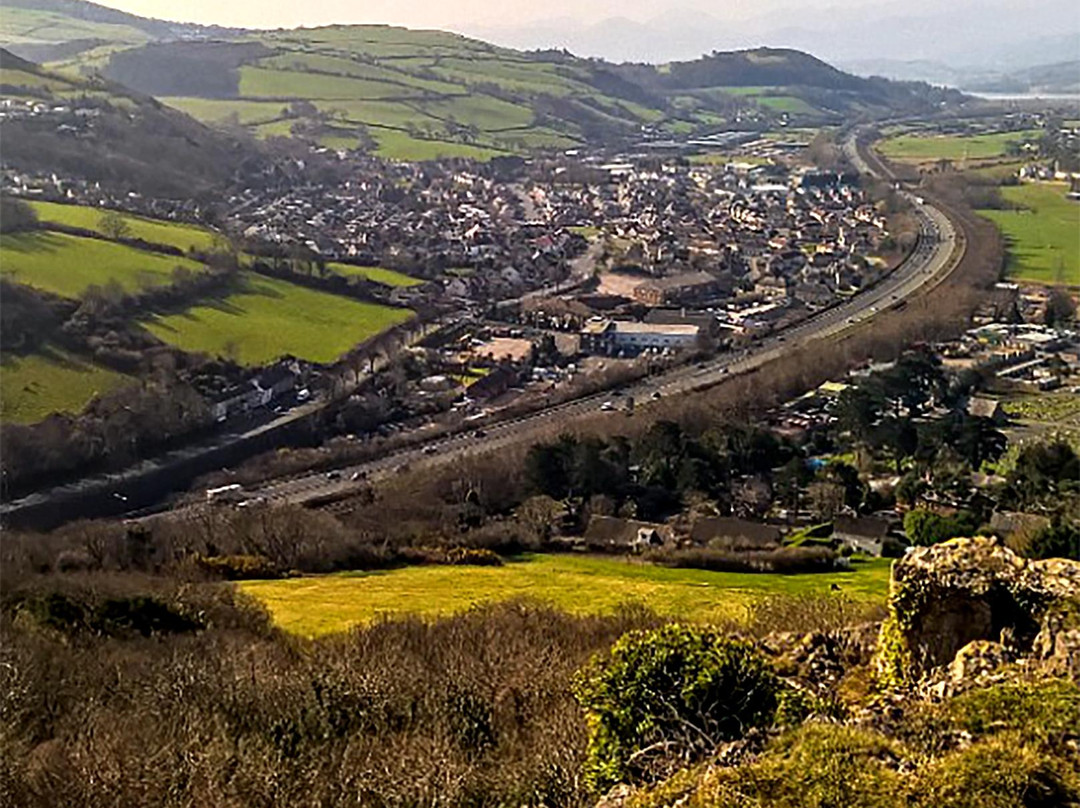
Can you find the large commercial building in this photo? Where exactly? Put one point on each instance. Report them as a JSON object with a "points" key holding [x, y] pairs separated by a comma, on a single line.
{"points": [[613, 337]]}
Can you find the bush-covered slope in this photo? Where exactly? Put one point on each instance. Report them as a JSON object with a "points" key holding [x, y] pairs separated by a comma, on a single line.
{"points": [[104, 133]]}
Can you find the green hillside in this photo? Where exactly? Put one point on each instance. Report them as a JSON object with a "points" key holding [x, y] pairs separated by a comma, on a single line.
{"points": [[268, 318], [173, 234], [34, 385], [67, 265], [131, 142], [414, 94], [27, 25]]}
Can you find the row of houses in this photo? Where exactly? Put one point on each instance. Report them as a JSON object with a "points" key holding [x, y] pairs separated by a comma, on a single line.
{"points": [[862, 534]]}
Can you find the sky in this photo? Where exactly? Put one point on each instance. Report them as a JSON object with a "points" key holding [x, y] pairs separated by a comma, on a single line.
{"points": [[451, 14]]}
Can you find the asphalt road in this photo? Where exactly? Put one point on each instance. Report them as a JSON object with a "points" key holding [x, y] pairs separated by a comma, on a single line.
{"points": [[936, 253]]}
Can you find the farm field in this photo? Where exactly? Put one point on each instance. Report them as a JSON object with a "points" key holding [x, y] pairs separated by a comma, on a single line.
{"points": [[258, 82], [581, 584], [38, 384], [66, 265], [174, 234], [387, 277], [1043, 236], [217, 110], [397, 145], [269, 318], [951, 147], [33, 25], [772, 97]]}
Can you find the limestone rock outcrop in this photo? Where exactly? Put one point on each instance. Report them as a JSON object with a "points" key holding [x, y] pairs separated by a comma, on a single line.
{"points": [[944, 597]]}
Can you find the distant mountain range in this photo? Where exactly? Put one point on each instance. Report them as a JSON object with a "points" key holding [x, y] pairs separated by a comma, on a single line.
{"points": [[972, 34]]}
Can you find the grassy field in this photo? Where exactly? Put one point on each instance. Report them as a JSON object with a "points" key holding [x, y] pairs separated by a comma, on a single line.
{"points": [[32, 25], [269, 318], [49, 381], [258, 82], [951, 147], [66, 265], [392, 79], [396, 145], [326, 604], [217, 110], [12, 77], [173, 234], [774, 98], [387, 277], [1043, 236]]}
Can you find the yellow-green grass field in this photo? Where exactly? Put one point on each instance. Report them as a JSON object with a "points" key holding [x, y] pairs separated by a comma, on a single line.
{"points": [[173, 234], [66, 265], [1043, 236], [952, 147], [49, 381], [268, 318], [326, 604], [387, 277]]}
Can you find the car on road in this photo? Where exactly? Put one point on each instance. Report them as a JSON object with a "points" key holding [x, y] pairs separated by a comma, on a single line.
{"points": [[333, 475], [430, 450], [656, 395], [479, 433], [357, 475], [607, 406]]}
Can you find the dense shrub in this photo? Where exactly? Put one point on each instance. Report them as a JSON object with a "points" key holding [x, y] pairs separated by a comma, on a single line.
{"points": [[472, 710], [464, 556], [237, 567], [110, 617], [924, 528], [785, 560], [1059, 539], [671, 693]]}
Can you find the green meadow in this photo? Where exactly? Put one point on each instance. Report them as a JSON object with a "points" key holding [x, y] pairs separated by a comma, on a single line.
{"points": [[48, 381], [268, 318], [774, 98], [33, 25], [952, 147], [221, 110], [173, 234], [397, 145], [258, 82], [1043, 233], [66, 265], [317, 605], [387, 277]]}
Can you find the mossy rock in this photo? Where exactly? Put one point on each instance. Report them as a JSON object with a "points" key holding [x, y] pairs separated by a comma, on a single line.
{"points": [[945, 596]]}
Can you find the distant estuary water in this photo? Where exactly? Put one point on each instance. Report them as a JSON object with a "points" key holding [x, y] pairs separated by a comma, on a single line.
{"points": [[1026, 96]]}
